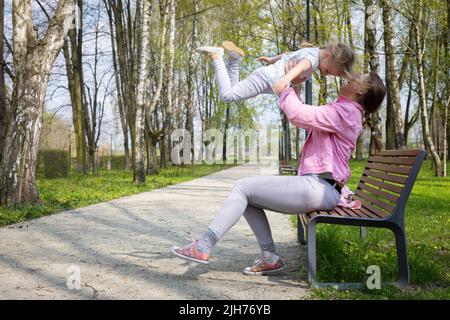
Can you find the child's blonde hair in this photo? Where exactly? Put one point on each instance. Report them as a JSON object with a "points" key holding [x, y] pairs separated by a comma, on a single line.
{"points": [[340, 53]]}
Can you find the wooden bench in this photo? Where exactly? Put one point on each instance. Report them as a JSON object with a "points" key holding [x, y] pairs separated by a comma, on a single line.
{"points": [[383, 190]]}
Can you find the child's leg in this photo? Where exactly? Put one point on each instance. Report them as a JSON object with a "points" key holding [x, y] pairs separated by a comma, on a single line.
{"points": [[229, 91], [233, 70]]}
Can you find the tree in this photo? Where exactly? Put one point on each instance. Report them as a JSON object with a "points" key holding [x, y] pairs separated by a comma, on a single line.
{"points": [[371, 61], [123, 32], [190, 103], [394, 121], [95, 94], [33, 59], [143, 83], [168, 99], [73, 55], [3, 107], [419, 55]]}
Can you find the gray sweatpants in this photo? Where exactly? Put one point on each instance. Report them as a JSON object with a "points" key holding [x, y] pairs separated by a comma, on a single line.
{"points": [[285, 194], [231, 89]]}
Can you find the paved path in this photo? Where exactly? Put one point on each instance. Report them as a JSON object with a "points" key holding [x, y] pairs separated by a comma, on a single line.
{"points": [[121, 249]]}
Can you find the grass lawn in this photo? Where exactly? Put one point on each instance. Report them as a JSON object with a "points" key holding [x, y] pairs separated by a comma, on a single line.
{"points": [[342, 256], [78, 190]]}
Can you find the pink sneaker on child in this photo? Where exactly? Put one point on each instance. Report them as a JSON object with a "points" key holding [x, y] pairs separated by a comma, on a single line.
{"points": [[190, 252], [260, 267]]}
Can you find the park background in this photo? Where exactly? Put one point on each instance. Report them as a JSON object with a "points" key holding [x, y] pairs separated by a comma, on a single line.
{"points": [[87, 107]]}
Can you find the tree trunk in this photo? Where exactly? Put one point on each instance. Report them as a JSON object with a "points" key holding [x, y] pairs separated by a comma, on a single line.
{"points": [[371, 64], [119, 87], [123, 23], [168, 122], [139, 165], [142, 106], [190, 104], [409, 122], [394, 121], [422, 93], [33, 61], [434, 106], [72, 50], [319, 39], [3, 107]]}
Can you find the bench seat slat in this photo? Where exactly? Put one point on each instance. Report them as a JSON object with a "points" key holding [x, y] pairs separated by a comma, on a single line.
{"points": [[403, 153], [368, 205], [381, 184], [385, 176], [393, 160], [388, 168], [380, 203], [392, 198], [345, 213], [371, 214], [362, 213]]}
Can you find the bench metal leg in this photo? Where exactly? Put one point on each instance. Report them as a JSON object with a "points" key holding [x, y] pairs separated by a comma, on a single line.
{"points": [[312, 267], [301, 231], [363, 233], [402, 257]]}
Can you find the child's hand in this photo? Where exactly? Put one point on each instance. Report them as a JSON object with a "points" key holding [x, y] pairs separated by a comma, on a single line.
{"points": [[280, 86], [267, 60]]}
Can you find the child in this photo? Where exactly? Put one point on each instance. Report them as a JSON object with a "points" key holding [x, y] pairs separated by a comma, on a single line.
{"points": [[333, 59]]}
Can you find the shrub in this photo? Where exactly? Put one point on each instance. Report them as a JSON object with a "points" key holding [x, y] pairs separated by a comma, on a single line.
{"points": [[55, 163], [117, 162]]}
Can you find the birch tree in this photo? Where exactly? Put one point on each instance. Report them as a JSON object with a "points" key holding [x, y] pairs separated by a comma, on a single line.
{"points": [[190, 103], [139, 164], [419, 57], [168, 103], [394, 121], [371, 60], [144, 107], [3, 106], [33, 59]]}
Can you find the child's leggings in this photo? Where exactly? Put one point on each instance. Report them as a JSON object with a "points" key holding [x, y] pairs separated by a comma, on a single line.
{"points": [[285, 194], [231, 89]]}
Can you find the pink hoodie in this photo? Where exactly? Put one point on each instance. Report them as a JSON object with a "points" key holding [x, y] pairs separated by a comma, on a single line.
{"points": [[333, 131]]}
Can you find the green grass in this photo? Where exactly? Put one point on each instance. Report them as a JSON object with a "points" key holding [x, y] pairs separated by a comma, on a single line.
{"points": [[342, 256], [79, 190]]}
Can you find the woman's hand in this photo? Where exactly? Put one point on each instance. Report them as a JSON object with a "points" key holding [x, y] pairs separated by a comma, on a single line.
{"points": [[267, 60], [280, 86]]}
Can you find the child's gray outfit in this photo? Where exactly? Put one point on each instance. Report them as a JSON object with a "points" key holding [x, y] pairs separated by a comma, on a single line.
{"points": [[262, 79]]}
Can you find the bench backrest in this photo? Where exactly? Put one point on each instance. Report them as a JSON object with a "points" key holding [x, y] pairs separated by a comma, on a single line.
{"points": [[387, 181]]}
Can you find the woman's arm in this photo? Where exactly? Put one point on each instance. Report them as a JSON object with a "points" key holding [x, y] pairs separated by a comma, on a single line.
{"points": [[323, 118]]}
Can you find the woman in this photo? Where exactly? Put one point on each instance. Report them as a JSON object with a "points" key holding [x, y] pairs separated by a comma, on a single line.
{"points": [[324, 169]]}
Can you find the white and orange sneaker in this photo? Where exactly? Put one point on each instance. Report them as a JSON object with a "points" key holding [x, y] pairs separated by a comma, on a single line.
{"points": [[233, 50], [260, 267], [208, 50], [191, 253]]}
